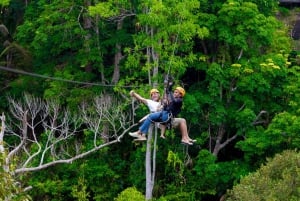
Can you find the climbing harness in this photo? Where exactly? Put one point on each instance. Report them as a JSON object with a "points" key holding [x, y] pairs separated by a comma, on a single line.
{"points": [[168, 82]]}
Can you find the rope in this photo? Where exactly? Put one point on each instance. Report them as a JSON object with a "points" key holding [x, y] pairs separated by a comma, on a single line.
{"points": [[58, 79], [175, 44], [166, 84], [173, 53]]}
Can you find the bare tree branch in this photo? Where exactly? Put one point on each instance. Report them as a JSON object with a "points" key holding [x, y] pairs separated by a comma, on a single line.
{"points": [[45, 134], [70, 160], [2, 129], [259, 121]]}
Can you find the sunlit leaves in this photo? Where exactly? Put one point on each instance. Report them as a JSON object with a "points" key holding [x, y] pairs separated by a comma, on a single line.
{"points": [[55, 29], [284, 130], [167, 29], [278, 179], [241, 25], [130, 194], [10, 188], [104, 9], [4, 2], [206, 169], [175, 162]]}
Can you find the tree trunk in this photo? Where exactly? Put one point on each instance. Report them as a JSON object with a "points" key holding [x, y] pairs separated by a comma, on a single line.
{"points": [[150, 168], [152, 57], [118, 56], [220, 142], [87, 24], [2, 129]]}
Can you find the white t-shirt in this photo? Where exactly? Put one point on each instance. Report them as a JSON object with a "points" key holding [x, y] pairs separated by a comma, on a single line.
{"points": [[153, 105]]}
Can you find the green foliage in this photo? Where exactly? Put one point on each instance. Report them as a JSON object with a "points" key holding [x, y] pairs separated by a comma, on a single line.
{"points": [[179, 196], [104, 9], [87, 179], [223, 42], [67, 93], [254, 147], [10, 188], [267, 7], [4, 2], [80, 191], [171, 22], [175, 162], [54, 29], [214, 176], [283, 132], [49, 184], [190, 106], [252, 25], [130, 194], [206, 169], [278, 179], [136, 174]]}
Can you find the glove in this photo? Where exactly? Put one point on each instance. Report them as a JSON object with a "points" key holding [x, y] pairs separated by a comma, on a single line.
{"points": [[166, 82], [170, 85]]}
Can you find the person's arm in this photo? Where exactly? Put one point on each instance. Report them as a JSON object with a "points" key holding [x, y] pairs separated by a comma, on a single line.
{"points": [[168, 95], [138, 97]]}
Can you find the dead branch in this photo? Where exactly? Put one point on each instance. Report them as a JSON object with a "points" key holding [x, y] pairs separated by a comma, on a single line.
{"points": [[259, 121], [45, 134]]}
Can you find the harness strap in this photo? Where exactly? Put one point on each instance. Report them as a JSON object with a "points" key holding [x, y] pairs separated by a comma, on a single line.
{"points": [[168, 122], [170, 117]]}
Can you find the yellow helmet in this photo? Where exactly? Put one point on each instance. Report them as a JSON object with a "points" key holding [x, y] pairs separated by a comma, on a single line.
{"points": [[181, 90], [153, 91]]}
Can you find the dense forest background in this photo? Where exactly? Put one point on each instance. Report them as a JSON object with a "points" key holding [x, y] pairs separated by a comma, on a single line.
{"points": [[66, 69]]}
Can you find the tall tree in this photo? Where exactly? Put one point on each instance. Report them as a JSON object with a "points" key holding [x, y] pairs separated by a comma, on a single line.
{"points": [[278, 179], [234, 74], [165, 30]]}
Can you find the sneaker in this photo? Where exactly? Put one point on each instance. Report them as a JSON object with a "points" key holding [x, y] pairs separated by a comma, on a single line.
{"points": [[141, 138], [134, 134]]}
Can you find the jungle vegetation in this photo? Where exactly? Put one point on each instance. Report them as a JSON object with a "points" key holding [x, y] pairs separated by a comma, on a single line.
{"points": [[66, 69]]}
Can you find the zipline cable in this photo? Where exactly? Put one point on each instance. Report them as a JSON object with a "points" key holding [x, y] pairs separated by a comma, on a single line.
{"points": [[173, 53], [176, 43], [57, 79], [169, 78]]}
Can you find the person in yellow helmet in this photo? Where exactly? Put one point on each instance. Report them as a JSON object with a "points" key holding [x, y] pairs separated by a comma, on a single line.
{"points": [[173, 108], [153, 104], [181, 91], [179, 123], [177, 96]]}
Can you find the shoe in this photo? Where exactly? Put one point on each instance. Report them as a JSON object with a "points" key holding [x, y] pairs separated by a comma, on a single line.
{"points": [[141, 138], [134, 134], [186, 143], [163, 137], [191, 140]]}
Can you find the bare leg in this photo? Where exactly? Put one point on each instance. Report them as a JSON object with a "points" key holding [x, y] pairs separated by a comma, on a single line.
{"points": [[183, 130], [181, 124], [162, 130]]}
